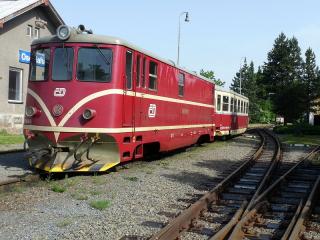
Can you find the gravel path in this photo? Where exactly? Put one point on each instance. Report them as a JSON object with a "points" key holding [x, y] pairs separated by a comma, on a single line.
{"points": [[142, 196]]}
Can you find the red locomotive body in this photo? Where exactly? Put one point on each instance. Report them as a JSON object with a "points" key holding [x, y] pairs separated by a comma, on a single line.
{"points": [[95, 101]]}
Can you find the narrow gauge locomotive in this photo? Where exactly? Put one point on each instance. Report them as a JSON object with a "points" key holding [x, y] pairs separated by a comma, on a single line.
{"points": [[95, 101]]}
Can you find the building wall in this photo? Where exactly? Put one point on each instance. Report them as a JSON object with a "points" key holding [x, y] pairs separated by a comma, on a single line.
{"points": [[13, 37]]}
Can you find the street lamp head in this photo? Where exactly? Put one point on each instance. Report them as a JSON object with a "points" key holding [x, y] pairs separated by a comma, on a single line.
{"points": [[187, 17]]}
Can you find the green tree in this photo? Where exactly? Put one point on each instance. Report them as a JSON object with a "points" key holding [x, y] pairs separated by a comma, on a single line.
{"points": [[311, 80], [283, 78], [210, 75]]}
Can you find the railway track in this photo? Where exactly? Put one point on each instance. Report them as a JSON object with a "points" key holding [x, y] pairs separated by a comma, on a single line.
{"points": [[274, 213], [215, 214]]}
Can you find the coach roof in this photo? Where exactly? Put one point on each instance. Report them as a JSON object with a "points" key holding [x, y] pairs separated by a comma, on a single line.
{"points": [[77, 37]]}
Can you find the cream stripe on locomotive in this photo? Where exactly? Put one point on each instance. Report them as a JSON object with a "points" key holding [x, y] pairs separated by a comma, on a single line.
{"points": [[109, 92], [113, 130]]}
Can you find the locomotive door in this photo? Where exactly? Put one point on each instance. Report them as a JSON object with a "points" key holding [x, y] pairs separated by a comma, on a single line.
{"points": [[128, 93], [138, 84]]}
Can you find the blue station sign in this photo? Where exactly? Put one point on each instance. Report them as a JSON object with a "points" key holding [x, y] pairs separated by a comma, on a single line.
{"points": [[24, 57]]}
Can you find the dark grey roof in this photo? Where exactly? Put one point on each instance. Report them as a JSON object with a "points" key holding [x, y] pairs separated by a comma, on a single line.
{"points": [[11, 9]]}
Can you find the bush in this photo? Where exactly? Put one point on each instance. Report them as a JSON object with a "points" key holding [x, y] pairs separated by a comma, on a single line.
{"points": [[298, 129]]}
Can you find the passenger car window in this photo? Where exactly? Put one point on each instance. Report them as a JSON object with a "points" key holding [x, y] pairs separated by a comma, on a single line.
{"points": [[39, 64], [153, 71], [94, 64], [62, 64], [225, 105], [231, 104], [218, 102]]}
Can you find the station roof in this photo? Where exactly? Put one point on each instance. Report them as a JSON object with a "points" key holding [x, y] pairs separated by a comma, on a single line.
{"points": [[9, 9]]}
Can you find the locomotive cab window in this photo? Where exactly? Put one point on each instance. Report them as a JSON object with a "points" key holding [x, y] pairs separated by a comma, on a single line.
{"points": [[181, 84], [94, 64], [39, 64], [225, 103], [62, 64], [218, 102], [153, 71]]}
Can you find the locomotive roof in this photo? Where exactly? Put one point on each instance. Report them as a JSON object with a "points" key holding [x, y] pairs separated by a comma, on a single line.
{"points": [[77, 37], [220, 89]]}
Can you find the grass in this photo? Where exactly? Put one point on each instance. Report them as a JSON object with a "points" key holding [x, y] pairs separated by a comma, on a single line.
{"points": [[58, 188], [100, 204], [95, 192], [6, 138], [79, 196], [132, 179], [63, 223], [303, 139]]}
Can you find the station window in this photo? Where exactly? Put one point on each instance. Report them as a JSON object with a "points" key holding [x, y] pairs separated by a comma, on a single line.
{"points": [[181, 84], [29, 30], [138, 71], [62, 64], [225, 103], [15, 85], [219, 103], [36, 33], [39, 64], [94, 64], [153, 70], [144, 63], [232, 104]]}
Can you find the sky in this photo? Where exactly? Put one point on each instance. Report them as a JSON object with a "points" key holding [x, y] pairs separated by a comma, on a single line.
{"points": [[218, 37]]}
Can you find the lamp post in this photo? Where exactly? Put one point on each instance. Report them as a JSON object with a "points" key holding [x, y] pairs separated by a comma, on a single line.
{"points": [[186, 20], [240, 73]]}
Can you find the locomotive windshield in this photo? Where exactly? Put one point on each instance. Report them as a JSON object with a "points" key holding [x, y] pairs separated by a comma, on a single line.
{"points": [[62, 64], [94, 64], [39, 64]]}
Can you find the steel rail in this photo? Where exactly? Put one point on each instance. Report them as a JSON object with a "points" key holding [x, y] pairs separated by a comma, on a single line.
{"points": [[183, 222], [299, 225], [260, 202], [245, 208]]}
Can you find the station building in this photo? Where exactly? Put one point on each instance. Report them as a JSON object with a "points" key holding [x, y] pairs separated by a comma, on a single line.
{"points": [[21, 21]]}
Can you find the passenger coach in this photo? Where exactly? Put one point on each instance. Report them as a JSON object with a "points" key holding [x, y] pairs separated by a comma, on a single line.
{"points": [[95, 101], [231, 116]]}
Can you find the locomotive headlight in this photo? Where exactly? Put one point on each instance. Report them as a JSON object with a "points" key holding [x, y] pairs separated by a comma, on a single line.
{"points": [[89, 114], [31, 111], [63, 32]]}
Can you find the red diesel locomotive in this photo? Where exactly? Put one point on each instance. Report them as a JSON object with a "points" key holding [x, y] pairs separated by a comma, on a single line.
{"points": [[95, 101]]}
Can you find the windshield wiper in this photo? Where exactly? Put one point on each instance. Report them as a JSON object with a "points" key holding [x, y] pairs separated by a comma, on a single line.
{"points": [[104, 57]]}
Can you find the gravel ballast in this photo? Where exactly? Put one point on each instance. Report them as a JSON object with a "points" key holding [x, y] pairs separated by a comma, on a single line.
{"points": [[139, 198]]}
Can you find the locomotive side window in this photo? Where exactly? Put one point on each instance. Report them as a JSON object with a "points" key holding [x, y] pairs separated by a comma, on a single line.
{"points": [[225, 104], [62, 64], [181, 84], [39, 64], [138, 71], [94, 64], [231, 104], [153, 70], [144, 64], [219, 103], [129, 69]]}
